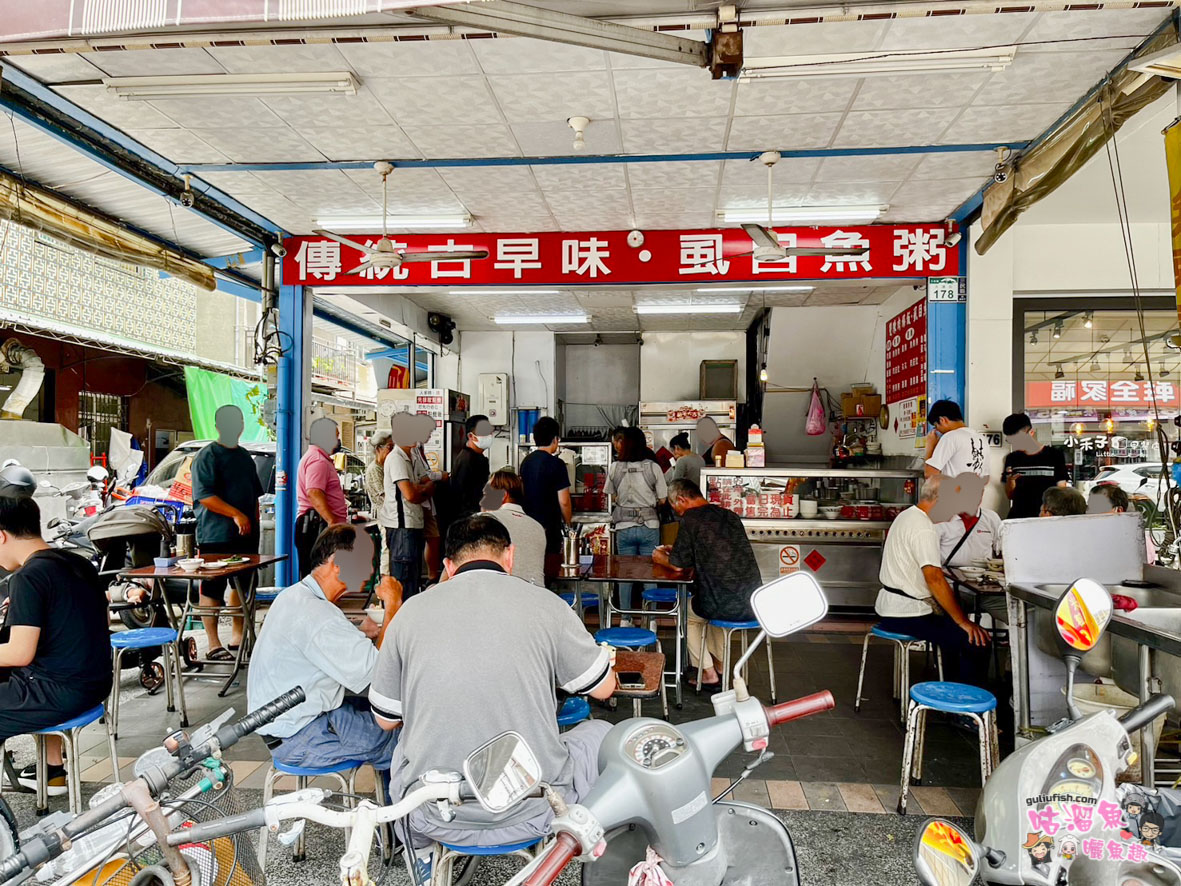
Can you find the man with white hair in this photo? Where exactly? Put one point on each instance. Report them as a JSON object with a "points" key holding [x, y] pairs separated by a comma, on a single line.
{"points": [[381, 443], [916, 599]]}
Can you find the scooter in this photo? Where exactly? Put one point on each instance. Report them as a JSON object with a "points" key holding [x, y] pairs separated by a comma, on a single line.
{"points": [[1061, 787]]}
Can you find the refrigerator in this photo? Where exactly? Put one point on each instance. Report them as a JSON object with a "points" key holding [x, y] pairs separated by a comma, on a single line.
{"points": [[449, 409]]}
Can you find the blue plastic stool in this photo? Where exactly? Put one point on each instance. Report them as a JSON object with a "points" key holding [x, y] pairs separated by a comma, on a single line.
{"points": [[345, 774], [146, 638], [677, 599], [950, 698], [69, 732], [575, 600], [728, 628], [635, 639], [574, 710], [903, 645], [446, 854]]}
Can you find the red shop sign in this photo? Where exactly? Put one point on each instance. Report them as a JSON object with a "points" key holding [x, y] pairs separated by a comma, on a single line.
{"points": [[906, 354], [604, 258], [1090, 393]]}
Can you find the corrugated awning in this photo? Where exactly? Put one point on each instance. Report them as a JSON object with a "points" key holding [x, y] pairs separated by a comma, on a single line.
{"points": [[78, 335], [42, 210]]}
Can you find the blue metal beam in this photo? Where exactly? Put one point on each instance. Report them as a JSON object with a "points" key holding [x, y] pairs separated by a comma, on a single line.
{"points": [[592, 159], [289, 412], [236, 260]]}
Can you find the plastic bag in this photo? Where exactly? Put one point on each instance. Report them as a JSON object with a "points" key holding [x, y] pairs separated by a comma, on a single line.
{"points": [[648, 872], [817, 421]]}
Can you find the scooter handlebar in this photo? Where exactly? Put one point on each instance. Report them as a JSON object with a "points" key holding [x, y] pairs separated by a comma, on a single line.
{"points": [[1139, 717], [800, 707], [560, 854]]}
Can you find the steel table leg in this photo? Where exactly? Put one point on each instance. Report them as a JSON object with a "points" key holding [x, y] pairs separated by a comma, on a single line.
{"points": [[1147, 748]]}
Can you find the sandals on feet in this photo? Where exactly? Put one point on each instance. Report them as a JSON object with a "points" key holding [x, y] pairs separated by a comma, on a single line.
{"points": [[219, 653]]}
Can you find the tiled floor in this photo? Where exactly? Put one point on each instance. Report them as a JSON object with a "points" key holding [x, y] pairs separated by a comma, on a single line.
{"points": [[837, 761]]}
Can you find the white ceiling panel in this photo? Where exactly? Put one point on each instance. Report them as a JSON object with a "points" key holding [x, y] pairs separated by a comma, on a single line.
{"points": [[318, 184], [893, 167], [358, 143], [496, 184], [462, 141], [943, 195], [309, 58], [178, 145], [239, 184], [411, 184], [1038, 77], [154, 63], [748, 197], [957, 165], [410, 59], [789, 131], [683, 92], [436, 100], [703, 174], [687, 218], [956, 31], [557, 138], [339, 111], [669, 203], [917, 126], [857, 193], [752, 174], [577, 210], [124, 115], [520, 55], [508, 220], [527, 98], [588, 177], [983, 124], [215, 112], [262, 145], [1131, 25], [947, 90], [771, 97], [673, 136], [56, 67], [780, 40]]}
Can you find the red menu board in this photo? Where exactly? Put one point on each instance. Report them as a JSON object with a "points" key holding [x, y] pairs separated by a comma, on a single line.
{"points": [[906, 354]]}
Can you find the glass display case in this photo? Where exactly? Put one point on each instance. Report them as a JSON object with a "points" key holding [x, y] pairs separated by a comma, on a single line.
{"points": [[587, 464]]}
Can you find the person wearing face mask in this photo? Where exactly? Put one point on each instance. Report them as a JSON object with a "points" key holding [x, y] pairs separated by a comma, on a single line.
{"points": [[470, 471]]}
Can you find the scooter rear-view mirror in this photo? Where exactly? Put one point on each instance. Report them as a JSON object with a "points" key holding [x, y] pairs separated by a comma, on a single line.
{"points": [[502, 772], [789, 604], [1080, 617], [944, 855]]}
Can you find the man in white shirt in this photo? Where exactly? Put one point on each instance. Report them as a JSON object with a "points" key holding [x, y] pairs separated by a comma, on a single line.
{"points": [[952, 447], [964, 541], [916, 599]]}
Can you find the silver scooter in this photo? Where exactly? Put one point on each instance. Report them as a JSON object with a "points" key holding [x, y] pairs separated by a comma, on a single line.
{"points": [[1076, 764], [654, 782]]}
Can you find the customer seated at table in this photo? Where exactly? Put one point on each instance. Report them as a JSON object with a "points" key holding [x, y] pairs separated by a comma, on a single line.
{"points": [[1107, 498], [55, 648], [503, 498], [478, 655], [712, 541], [916, 599], [965, 541], [306, 640], [1062, 501]]}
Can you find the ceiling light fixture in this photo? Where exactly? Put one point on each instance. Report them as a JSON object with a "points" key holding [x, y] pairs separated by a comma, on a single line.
{"points": [[505, 292], [1139, 374], [202, 85], [1059, 373], [537, 319], [763, 375], [579, 125], [870, 64], [792, 288], [1088, 319], [361, 224], [1033, 337], [1058, 329], [1164, 371], [1095, 367], [730, 308], [805, 215]]}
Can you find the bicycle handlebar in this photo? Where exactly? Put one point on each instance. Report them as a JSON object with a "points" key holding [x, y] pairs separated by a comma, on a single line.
{"points": [[45, 847]]}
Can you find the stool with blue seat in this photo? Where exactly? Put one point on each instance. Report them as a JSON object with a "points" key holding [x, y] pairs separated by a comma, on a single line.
{"points": [[447, 854], [636, 639], [576, 601], [979, 705], [69, 732], [574, 710], [147, 638], [676, 602], [345, 774], [728, 629], [903, 645]]}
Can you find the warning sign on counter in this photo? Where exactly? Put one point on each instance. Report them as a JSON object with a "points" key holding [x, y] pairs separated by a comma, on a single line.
{"points": [[789, 559]]}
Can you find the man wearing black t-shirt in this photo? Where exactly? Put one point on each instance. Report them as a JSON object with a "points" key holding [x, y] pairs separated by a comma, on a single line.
{"points": [[55, 648], [547, 490], [1031, 468]]}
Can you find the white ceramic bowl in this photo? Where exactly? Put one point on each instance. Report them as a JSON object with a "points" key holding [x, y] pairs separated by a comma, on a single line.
{"points": [[377, 613], [190, 564], [831, 512]]}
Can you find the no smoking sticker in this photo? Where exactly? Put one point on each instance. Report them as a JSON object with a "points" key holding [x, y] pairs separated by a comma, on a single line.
{"points": [[789, 559]]}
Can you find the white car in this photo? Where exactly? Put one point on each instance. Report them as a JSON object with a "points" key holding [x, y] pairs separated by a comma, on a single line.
{"points": [[1140, 478]]}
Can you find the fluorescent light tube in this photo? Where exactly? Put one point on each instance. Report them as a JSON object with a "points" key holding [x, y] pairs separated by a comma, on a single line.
{"points": [[877, 63], [200, 85], [690, 309], [805, 215], [556, 319], [505, 292], [789, 288], [371, 224]]}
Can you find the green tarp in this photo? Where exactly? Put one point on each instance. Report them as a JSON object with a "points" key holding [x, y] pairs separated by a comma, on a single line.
{"points": [[208, 391]]}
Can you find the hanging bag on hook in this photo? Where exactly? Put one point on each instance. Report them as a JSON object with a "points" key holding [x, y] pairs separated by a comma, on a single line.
{"points": [[817, 421]]}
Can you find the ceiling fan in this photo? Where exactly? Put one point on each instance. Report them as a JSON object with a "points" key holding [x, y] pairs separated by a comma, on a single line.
{"points": [[766, 243], [382, 255]]}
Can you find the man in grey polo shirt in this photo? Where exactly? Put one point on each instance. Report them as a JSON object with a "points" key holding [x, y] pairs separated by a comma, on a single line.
{"points": [[478, 655]]}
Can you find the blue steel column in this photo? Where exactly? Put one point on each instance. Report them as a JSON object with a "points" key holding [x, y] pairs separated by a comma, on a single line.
{"points": [[289, 425], [947, 345]]}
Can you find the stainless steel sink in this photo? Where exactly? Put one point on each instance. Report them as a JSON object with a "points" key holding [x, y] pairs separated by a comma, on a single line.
{"points": [[1125, 653], [1150, 598]]}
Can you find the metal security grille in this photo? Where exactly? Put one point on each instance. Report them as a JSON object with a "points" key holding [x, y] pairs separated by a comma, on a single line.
{"points": [[96, 415]]}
